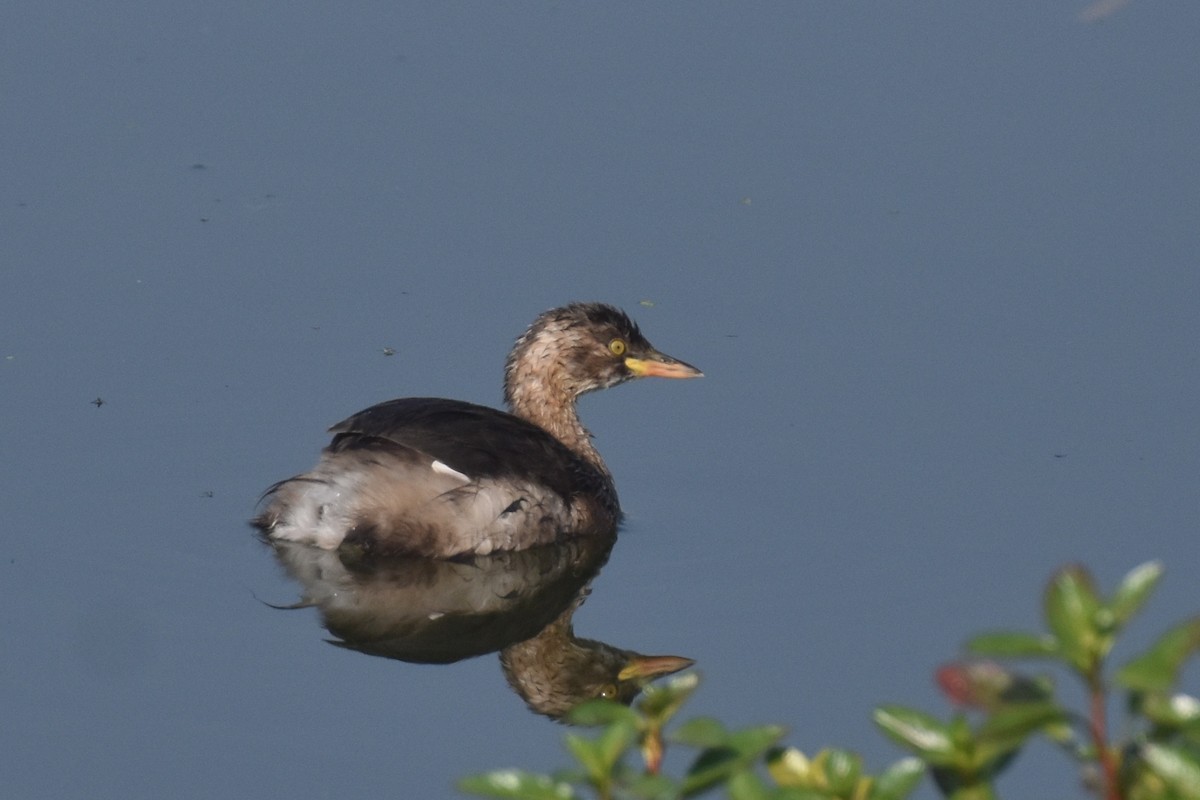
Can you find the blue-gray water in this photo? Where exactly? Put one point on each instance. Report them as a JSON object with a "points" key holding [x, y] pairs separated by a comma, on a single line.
{"points": [[939, 264]]}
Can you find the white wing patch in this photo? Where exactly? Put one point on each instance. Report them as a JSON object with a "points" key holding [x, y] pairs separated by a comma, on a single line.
{"points": [[444, 469]]}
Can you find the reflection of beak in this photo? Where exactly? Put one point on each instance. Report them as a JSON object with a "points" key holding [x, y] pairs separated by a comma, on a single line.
{"points": [[647, 667], [657, 365]]}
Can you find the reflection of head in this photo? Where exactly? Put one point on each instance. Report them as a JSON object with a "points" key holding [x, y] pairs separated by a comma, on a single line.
{"points": [[555, 671]]}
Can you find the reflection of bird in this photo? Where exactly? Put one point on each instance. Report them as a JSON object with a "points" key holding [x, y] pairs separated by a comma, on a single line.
{"points": [[440, 478], [555, 671], [436, 611]]}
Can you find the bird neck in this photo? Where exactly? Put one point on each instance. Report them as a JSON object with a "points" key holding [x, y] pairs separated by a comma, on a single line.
{"points": [[535, 398], [541, 669], [539, 387]]}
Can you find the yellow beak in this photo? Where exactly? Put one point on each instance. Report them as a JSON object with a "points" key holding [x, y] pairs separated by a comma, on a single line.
{"points": [[653, 666], [660, 366]]}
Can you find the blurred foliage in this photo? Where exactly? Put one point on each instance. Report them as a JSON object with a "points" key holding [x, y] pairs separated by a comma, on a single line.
{"points": [[998, 710]]}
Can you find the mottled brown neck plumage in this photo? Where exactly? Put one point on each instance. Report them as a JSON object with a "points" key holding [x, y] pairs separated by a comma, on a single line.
{"points": [[544, 377]]}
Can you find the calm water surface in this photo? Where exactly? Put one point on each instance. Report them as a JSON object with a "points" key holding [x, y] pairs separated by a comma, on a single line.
{"points": [[939, 267]]}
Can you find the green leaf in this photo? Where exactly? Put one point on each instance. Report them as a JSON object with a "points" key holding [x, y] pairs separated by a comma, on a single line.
{"points": [[1070, 605], [1016, 722], [1157, 669], [517, 784], [599, 711], [712, 766], [746, 785], [957, 785], [1179, 769], [716, 764], [841, 768], [789, 767], [898, 781], [961, 734], [598, 756], [615, 740], [662, 699], [752, 743], [590, 754], [921, 733], [973, 791], [1013, 644], [792, 793], [593, 713], [700, 732], [1191, 733], [1175, 711], [1134, 590], [651, 787], [1007, 729]]}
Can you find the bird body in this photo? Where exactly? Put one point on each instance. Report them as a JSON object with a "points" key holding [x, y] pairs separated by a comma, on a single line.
{"points": [[430, 476], [439, 478]]}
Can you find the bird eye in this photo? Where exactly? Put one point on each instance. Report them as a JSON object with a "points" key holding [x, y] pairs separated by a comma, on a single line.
{"points": [[609, 690], [617, 347]]}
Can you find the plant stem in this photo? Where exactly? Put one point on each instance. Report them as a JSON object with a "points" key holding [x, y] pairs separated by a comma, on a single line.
{"points": [[1099, 729]]}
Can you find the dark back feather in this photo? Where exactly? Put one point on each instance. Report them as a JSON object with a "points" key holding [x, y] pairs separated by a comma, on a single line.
{"points": [[478, 441]]}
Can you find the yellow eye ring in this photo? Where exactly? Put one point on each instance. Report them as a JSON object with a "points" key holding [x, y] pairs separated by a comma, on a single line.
{"points": [[617, 347], [608, 692]]}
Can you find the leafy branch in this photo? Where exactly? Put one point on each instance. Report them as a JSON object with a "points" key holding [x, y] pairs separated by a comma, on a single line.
{"points": [[999, 709]]}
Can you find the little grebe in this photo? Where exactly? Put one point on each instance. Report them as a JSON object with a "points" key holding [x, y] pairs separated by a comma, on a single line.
{"points": [[439, 478]]}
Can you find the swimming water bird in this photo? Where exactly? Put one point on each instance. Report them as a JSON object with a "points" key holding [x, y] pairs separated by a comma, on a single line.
{"points": [[441, 478]]}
